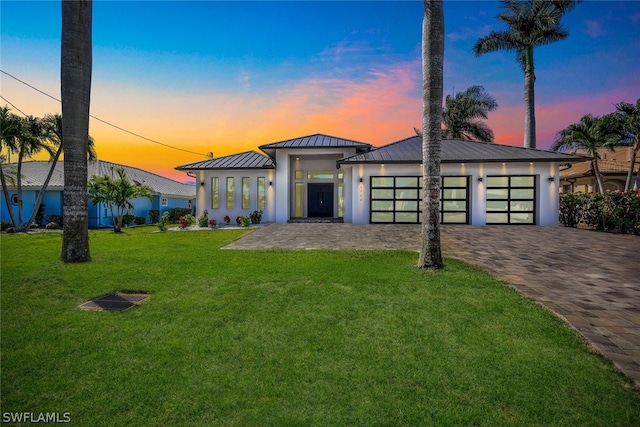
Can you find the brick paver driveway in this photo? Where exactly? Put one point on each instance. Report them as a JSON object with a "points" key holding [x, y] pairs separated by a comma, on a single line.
{"points": [[590, 279]]}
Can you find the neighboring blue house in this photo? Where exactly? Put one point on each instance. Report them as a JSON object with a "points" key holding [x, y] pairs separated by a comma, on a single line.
{"points": [[169, 194]]}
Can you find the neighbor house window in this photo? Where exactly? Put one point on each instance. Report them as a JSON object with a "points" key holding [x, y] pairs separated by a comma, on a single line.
{"points": [[511, 199], [215, 193], [261, 192], [230, 193], [245, 193], [164, 201]]}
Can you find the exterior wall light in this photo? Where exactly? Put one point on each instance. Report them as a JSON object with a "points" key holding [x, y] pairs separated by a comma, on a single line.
{"points": [[550, 179], [360, 179], [479, 179], [202, 184], [270, 183]]}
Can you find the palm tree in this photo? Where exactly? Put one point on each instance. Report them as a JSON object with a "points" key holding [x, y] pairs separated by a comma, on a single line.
{"points": [[590, 134], [462, 113], [75, 82], [630, 116], [10, 130], [52, 124], [530, 23], [117, 194], [432, 84]]}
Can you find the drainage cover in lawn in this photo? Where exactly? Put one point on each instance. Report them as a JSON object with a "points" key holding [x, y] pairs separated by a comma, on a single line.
{"points": [[117, 301]]}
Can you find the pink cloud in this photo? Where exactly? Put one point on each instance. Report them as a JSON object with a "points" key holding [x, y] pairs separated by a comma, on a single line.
{"points": [[593, 28]]}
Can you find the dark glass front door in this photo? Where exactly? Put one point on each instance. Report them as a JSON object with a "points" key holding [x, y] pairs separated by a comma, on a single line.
{"points": [[319, 200]]}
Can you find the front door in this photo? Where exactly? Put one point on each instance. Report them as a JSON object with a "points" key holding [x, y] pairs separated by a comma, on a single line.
{"points": [[319, 200]]}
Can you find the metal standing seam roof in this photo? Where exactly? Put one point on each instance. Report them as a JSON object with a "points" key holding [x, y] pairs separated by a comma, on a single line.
{"points": [[34, 174], [316, 141], [409, 150], [246, 160]]}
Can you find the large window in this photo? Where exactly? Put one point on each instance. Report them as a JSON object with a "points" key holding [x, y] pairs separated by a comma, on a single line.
{"points": [[230, 193], [246, 196], [299, 200], [511, 199], [261, 192], [215, 193], [398, 199]]}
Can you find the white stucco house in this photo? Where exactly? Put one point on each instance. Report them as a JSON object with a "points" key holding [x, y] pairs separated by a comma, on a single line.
{"points": [[321, 177]]}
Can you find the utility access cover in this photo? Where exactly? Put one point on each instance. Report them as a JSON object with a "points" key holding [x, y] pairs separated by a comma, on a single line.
{"points": [[117, 301]]}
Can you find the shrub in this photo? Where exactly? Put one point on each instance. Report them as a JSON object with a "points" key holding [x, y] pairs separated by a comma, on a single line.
{"points": [[203, 220], [227, 220], [238, 220], [163, 221], [256, 217], [52, 226], [4, 225], [191, 220], [40, 214], [614, 211], [184, 222], [55, 218], [212, 223], [176, 213], [127, 219], [140, 220], [154, 216], [245, 220]]}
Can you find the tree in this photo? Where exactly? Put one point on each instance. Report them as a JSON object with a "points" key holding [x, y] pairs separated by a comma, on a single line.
{"points": [[589, 134], [630, 125], [117, 194], [75, 82], [10, 129], [52, 132], [530, 23], [432, 84], [463, 112]]}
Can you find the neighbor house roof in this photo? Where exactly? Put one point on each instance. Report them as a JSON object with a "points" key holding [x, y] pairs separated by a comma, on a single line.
{"points": [[34, 173], [606, 167], [409, 150], [315, 141], [246, 160]]}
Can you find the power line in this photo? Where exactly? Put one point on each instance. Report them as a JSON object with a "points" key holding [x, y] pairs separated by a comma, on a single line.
{"points": [[97, 118]]}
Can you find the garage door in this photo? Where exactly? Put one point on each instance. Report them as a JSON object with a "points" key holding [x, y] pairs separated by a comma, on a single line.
{"points": [[511, 199]]}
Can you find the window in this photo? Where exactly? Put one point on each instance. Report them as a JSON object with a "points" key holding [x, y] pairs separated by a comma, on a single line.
{"points": [[398, 199], [299, 174], [230, 193], [325, 174], [246, 200], [215, 193], [261, 192], [299, 200], [340, 199], [511, 199], [164, 201]]}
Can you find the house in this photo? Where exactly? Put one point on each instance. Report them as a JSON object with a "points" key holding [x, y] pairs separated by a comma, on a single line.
{"points": [[613, 165], [169, 194], [321, 177]]}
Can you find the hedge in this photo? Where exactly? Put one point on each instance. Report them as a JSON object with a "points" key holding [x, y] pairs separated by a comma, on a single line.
{"points": [[617, 211]]}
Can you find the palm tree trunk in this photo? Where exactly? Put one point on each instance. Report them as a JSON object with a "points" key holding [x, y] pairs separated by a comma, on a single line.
{"points": [[7, 198], [432, 86], [19, 226], [596, 172], [36, 206], [529, 102], [76, 58], [632, 166]]}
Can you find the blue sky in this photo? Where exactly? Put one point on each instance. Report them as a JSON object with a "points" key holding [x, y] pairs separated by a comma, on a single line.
{"points": [[229, 76]]}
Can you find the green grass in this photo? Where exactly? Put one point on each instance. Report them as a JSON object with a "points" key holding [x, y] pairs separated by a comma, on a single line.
{"points": [[283, 338]]}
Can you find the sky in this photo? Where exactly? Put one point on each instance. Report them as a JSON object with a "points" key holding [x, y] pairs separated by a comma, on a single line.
{"points": [[227, 76]]}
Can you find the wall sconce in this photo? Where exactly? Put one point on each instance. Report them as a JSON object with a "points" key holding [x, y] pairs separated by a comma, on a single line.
{"points": [[479, 179], [202, 184], [360, 179], [270, 183], [551, 179]]}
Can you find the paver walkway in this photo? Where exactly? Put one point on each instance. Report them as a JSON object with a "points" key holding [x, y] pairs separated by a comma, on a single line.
{"points": [[590, 279]]}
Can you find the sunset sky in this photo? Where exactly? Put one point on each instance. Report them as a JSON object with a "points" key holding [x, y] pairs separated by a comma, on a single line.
{"points": [[225, 77]]}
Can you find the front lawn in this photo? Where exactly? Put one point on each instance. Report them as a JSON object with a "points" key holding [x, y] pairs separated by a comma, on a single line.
{"points": [[275, 338]]}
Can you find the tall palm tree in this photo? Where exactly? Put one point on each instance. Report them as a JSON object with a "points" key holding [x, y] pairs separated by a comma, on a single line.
{"points": [[432, 84], [10, 130], [630, 116], [530, 23], [590, 134], [463, 113], [75, 79], [52, 124]]}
